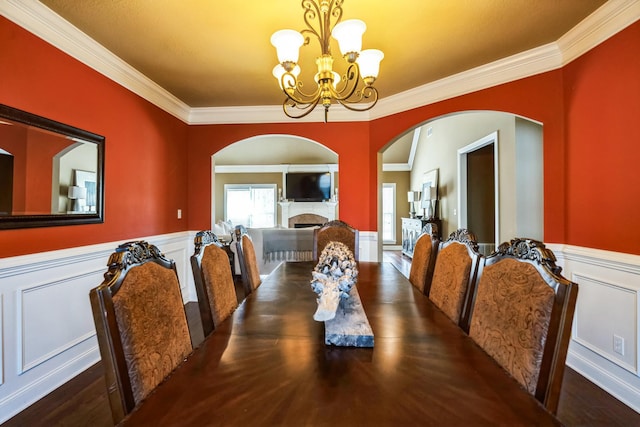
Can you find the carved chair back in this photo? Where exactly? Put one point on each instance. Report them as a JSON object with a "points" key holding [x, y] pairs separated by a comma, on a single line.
{"points": [[522, 316], [140, 322], [336, 231], [213, 281], [247, 260], [424, 258], [456, 266]]}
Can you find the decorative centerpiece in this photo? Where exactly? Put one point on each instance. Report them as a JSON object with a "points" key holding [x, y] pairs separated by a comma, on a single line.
{"points": [[339, 304]]}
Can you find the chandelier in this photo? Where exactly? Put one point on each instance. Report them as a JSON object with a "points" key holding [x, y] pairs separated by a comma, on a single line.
{"points": [[353, 89]]}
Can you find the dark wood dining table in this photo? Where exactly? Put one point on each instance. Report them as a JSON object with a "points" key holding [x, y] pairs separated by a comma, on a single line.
{"points": [[267, 365]]}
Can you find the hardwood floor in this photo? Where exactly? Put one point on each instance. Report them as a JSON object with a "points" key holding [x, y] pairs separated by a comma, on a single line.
{"points": [[83, 400]]}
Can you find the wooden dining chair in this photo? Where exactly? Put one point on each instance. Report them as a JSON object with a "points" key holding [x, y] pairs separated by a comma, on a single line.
{"points": [[338, 231], [140, 322], [213, 280], [424, 258], [453, 283], [522, 316], [247, 260]]}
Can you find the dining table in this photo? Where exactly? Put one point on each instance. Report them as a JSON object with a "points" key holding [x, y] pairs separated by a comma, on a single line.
{"points": [[268, 365]]}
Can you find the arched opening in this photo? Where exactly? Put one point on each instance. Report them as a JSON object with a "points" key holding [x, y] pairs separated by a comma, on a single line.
{"points": [[278, 155], [435, 145], [268, 191]]}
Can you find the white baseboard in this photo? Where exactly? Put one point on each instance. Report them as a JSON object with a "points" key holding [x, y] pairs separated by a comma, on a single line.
{"points": [[613, 384], [26, 396]]}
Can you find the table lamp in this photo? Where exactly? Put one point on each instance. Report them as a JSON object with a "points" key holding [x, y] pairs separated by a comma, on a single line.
{"points": [[412, 197], [75, 194]]}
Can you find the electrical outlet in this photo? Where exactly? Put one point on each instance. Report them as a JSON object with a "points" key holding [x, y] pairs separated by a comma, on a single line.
{"points": [[179, 213], [618, 345]]}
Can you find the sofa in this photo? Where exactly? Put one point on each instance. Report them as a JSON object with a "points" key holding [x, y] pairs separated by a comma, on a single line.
{"points": [[275, 245]]}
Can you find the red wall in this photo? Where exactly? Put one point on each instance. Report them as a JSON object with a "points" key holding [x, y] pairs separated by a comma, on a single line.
{"points": [[356, 162], [538, 98], [602, 98], [156, 164], [145, 159]]}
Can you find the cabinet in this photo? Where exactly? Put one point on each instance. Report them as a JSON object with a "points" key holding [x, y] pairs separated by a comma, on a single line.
{"points": [[411, 228]]}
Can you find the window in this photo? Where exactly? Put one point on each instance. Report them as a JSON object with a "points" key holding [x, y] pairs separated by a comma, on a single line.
{"points": [[251, 205], [389, 213]]}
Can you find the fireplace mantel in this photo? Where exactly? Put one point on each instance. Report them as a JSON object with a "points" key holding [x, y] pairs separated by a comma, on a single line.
{"points": [[289, 209]]}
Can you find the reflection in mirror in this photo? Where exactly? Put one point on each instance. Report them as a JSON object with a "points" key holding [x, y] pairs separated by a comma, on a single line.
{"points": [[50, 173]]}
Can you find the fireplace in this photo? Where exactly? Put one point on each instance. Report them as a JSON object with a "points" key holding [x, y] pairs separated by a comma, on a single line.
{"points": [[309, 213], [306, 220]]}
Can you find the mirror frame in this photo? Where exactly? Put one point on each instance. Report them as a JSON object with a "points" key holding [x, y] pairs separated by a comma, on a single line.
{"points": [[52, 220]]}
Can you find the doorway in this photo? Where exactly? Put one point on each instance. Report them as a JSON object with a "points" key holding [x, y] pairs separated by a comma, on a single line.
{"points": [[478, 196]]}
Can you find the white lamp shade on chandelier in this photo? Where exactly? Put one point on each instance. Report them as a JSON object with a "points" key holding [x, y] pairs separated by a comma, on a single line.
{"points": [[349, 35], [369, 62], [287, 44]]}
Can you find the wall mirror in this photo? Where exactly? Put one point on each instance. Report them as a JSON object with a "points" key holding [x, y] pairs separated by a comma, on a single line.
{"points": [[51, 174]]}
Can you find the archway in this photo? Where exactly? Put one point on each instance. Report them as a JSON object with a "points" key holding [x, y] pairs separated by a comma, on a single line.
{"points": [[436, 146], [279, 154]]}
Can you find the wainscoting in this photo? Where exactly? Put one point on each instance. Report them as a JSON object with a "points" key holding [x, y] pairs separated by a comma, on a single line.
{"points": [[48, 335], [607, 313]]}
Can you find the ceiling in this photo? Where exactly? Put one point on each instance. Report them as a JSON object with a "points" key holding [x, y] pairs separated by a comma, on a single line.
{"points": [[217, 53]]}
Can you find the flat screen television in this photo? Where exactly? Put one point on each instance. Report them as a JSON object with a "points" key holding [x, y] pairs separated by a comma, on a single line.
{"points": [[308, 186]]}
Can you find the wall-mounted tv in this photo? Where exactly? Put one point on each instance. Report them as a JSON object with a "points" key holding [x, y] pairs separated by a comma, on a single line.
{"points": [[308, 186]]}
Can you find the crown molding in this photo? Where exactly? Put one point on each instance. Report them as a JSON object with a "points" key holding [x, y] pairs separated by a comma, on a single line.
{"points": [[525, 64], [609, 19], [270, 114], [53, 29]]}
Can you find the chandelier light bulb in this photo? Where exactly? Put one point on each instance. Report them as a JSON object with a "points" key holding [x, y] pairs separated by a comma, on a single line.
{"points": [[336, 78]]}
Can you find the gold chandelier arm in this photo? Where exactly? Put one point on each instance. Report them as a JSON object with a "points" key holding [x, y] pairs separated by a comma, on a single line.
{"points": [[311, 13], [305, 108], [294, 90], [352, 75], [314, 10], [364, 94]]}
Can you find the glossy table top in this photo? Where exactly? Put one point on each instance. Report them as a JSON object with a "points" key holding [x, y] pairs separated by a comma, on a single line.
{"points": [[268, 365]]}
